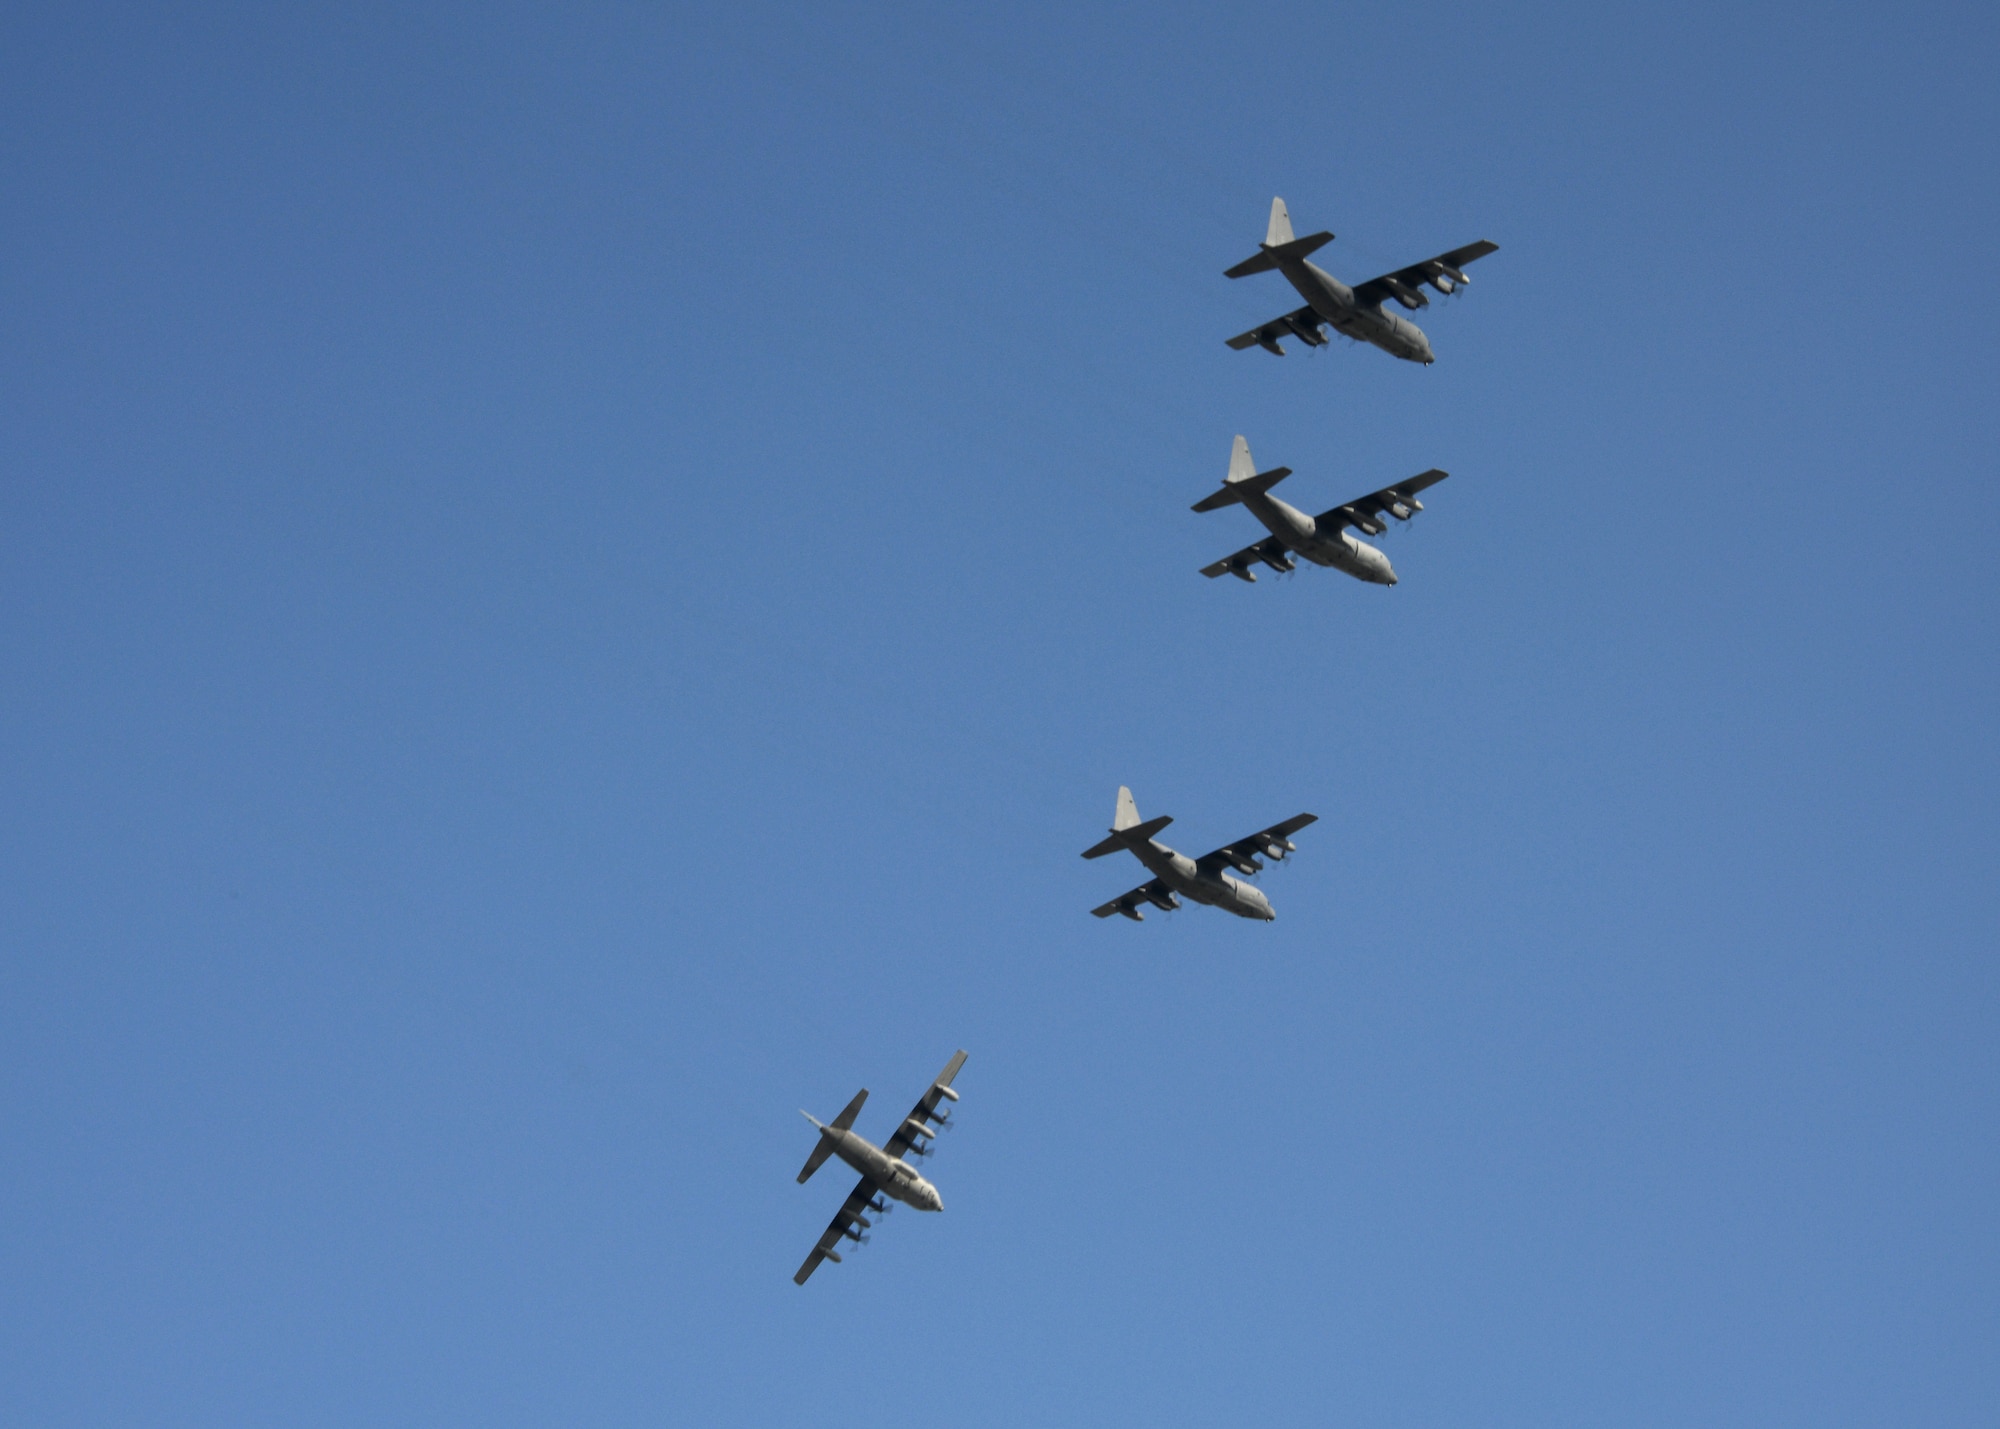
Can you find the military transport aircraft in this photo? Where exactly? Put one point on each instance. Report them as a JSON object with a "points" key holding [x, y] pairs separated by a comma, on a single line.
{"points": [[1357, 312], [882, 1168], [1201, 879], [1321, 539]]}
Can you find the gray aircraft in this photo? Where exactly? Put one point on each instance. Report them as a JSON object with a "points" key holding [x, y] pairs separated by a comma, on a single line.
{"points": [[1321, 539], [884, 1172], [1202, 879], [1357, 311]]}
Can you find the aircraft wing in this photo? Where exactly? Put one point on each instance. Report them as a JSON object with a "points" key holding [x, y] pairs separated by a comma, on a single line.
{"points": [[1444, 272], [1271, 551], [1398, 501], [1303, 323], [925, 1111], [1156, 893], [1274, 842], [843, 1224]]}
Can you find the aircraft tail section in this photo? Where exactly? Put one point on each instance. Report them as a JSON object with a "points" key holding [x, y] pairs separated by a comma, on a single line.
{"points": [[825, 1147], [1278, 243], [1243, 479], [1126, 828], [850, 1111], [1280, 230], [822, 1149]]}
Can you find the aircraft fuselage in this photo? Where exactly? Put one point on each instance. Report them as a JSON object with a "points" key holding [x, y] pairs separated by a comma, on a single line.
{"points": [[1334, 301], [1333, 547], [897, 1178], [1217, 889]]}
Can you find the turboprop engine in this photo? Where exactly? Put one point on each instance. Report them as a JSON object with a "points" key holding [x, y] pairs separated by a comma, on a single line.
{"points": [[1165, 899], [1411, 298], [1307, 330]]}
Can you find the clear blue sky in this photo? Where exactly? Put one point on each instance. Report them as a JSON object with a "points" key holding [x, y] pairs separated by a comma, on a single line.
{"points": [[574, 579]]}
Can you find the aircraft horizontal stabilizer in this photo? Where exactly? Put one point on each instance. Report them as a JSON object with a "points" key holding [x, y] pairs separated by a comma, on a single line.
{"points": [[1236, 488], [1125, 838], [850, 1111], [818, 1159], [1270, 254]]}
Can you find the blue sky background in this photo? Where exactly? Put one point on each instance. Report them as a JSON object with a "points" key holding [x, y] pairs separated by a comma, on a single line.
{"points": [[574, 579]]}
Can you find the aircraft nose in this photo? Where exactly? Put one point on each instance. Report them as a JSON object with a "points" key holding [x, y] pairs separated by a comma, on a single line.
{"points": [[1389, 578]]}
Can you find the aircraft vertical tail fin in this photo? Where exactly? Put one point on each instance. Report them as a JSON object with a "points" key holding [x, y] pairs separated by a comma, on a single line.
{"points": [[1243, 480], [1280, 231], [1240, 465], [1126, 830], [1278, 243]]}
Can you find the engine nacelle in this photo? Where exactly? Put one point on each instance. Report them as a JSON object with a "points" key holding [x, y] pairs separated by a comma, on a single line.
{"points": [[946, 1092], [1401, 512], [1246, 865], [1307, 331], [1278, 848], [1411, 298], [1166, 898], [1458, 279], [918, 1128]]}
